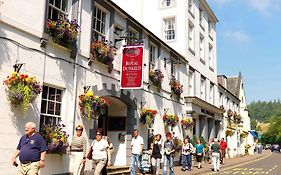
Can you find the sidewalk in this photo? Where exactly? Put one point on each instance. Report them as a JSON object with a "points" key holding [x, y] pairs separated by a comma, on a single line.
{"points": [[206, 167]]}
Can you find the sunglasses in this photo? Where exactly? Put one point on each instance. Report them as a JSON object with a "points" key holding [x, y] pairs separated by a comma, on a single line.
{"points": [[99, 134], [79, 129]]}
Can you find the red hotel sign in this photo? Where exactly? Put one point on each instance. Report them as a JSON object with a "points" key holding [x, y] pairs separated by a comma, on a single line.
{"points": [[131, 72]]}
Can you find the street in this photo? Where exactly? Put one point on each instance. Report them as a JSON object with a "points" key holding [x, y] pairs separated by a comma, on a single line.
{"points": [[270, 165]]}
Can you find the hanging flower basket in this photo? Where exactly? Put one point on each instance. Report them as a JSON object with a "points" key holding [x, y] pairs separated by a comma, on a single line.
{"points": [[243, 135], [187, 122], [56, 138], [22, 89], [103, 52], [170, 119], [229, 132], [176, 87], [63, 31], [156, 77], [92, 105], [229, 113], [147, 116]]}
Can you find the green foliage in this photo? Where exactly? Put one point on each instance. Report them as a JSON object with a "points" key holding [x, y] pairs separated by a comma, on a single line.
{"points": [[273, 134], [262, 111]]}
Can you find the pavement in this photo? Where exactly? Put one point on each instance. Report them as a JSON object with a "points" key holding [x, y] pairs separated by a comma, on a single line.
{"points": [[207, 167]]}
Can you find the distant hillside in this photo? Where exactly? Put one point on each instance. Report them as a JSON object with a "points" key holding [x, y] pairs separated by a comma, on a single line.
{"points": [[262, 111]]}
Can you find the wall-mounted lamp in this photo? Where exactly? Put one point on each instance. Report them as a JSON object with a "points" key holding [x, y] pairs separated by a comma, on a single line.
{"points": [[171, 60]]}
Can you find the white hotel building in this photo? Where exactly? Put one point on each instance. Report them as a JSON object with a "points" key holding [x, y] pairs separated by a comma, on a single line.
{"points": [[186, 50]]}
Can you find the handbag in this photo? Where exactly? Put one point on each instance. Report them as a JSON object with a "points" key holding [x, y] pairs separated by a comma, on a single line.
{"points": [[90, 153]]}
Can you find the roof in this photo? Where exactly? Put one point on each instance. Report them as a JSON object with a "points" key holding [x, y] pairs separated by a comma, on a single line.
{"points": [[233, 84]]}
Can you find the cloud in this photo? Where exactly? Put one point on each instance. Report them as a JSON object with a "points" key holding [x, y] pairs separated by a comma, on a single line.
{"points": [[263, 6], [237, 36]]}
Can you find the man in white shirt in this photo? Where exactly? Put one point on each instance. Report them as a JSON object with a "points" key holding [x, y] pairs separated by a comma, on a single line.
{"points": [[137, 146]]}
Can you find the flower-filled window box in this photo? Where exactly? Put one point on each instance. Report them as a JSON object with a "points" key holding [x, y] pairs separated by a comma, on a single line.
{"points": [[56, 138], [63, 31], [92, 105], [176, 87], [147, 116], [103, 52], [170, 119], [22, 89], [229, 132], [156, 77], [187, 122]]}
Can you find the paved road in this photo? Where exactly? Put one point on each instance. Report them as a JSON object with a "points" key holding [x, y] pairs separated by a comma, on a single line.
{"points": [[270, 165]]}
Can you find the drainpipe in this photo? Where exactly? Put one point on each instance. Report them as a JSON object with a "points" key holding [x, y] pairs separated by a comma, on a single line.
{"points": [[75, 84]]}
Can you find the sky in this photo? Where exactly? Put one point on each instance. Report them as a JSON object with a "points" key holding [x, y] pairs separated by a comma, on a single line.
{"points": [[249, 41]]}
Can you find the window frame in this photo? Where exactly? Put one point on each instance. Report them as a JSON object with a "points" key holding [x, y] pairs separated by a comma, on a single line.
{"points": [[190, 4], [191, 90], [202, 48], [164, 3], [55, 118], [152, 55], [203, 88], [51, 7], [167, 30], [211, 56], [191, 37], [104, 19]]}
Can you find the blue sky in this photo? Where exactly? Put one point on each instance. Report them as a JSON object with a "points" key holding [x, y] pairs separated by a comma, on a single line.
{"points": [[249, 40]]}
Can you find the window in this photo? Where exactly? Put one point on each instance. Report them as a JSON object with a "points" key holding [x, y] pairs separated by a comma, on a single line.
{"points": [[203, 88], [133, 36], [57, 8], [221, 99], [202, 48], [211, 29], [173, 69], [211, 54], [168, 3], [201, 17], [191, 33], [50, 106], [99, 19], [169, 29], [152, 56], [191, 7], [211, 93], [227, 102], [191, 83]]}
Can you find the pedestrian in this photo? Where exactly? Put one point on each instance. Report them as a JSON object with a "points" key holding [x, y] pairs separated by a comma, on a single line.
{"points": [[31, 151], [187, 148], [137, 147], [100, 152], [260, 147], [111, 150], [77, 152], [215, 152], [156, 155], [223, 147], [199, 152], [169, 150]]}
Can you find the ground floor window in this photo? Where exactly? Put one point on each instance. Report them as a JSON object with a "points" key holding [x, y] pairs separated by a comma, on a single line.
{"points": [[50, 106]]}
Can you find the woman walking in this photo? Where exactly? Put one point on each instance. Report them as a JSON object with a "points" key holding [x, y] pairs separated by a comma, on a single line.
{"points": [[100, 153], [77, 152], [199, 152], [187, 148], [156, 156]]}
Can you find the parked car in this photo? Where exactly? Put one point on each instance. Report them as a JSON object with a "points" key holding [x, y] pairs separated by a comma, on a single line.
{"points": [[268, 146], [275, 147]]}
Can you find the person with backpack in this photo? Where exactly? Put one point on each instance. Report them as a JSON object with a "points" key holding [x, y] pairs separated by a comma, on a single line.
{"points": [[215, 152], [169, 150], [186, 153]]}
